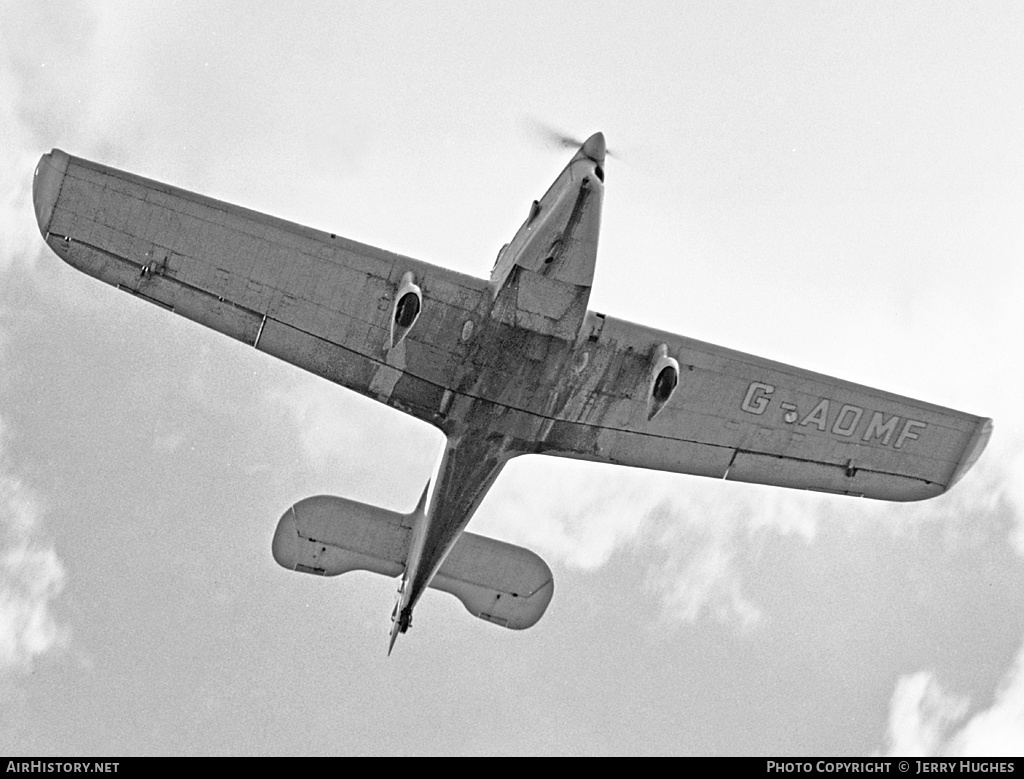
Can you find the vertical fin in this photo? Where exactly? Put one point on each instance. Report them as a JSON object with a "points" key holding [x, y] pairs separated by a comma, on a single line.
{"points": [[401, 617], [422, 505]]}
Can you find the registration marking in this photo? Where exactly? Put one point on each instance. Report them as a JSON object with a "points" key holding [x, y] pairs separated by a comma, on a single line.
{"points": [[844, 420]]}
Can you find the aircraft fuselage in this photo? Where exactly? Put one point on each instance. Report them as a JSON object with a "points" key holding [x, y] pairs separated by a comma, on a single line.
{"points": [[540, 287]]}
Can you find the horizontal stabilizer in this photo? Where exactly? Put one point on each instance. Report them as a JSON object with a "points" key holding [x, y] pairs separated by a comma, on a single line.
{"points": [[498, 582], [504, 584], [329, 536]]}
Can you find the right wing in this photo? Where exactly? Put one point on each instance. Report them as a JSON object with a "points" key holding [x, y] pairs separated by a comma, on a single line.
{"points": [[314, 299], [740, 417]]}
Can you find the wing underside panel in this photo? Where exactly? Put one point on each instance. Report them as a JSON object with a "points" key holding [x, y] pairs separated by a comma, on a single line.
{"points": [[315, 299], [745, 418]]}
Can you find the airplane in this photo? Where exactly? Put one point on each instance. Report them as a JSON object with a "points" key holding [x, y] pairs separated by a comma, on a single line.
{"points": [[515, 364]]}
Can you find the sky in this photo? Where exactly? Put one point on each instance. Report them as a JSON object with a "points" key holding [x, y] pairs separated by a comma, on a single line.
{"points": [[834, 185]]}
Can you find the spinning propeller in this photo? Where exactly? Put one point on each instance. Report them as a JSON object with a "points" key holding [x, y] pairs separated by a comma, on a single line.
{"points": [[554, 138]]}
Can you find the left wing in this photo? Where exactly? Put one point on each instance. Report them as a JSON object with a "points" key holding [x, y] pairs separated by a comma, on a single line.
{"points": [[741, 417], [314, 299]]}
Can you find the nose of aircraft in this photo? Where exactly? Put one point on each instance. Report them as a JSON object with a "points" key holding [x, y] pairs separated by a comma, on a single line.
{"points": [[594, 147], [46, 185]]}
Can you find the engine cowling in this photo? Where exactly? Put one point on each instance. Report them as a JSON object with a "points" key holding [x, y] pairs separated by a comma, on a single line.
{"points": [[405, 310], [663, 380]]}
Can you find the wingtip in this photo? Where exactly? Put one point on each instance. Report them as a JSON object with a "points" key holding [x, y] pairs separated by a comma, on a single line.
{"points": [[46, 185], [979, 440]]}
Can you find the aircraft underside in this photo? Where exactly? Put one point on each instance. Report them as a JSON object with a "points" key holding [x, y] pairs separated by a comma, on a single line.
{"points": [[513, 365], [555, 266]]}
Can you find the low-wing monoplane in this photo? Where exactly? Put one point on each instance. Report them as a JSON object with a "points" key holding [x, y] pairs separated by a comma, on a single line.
{"points": [[515, 364]]}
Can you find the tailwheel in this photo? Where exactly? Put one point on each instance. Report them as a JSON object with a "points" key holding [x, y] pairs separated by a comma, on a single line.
{"points": [[405, 620]]}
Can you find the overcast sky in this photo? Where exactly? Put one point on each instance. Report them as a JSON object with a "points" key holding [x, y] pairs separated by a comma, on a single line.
{"points": [[835, 185]]}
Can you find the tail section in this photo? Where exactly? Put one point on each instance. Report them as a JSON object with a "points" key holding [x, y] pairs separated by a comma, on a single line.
{"points": [[497, 582]]}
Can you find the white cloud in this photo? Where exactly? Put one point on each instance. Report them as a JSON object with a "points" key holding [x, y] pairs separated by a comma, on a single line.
{"points": [[702, 535], [327, 427], [367, 451], [18, 234], [1012, 488], [689, 532], [50, 95], [920, 716], [31, 573], [999, 729], [694, 534], [925, 720], [703, 577], [31, 577], [579, 513]]}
